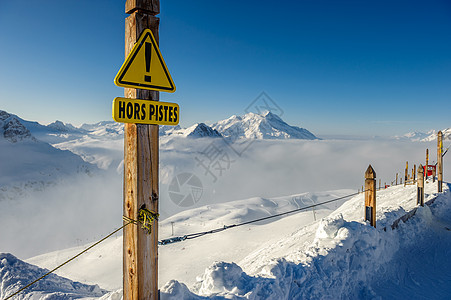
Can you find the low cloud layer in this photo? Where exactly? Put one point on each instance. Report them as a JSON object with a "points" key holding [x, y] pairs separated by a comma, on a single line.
{"points": [[83, 209]]}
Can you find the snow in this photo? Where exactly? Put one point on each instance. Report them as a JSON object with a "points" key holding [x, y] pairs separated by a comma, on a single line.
{"points": [[15, 274], [294, 257], [198, 130], [429, 136], [31, 164], [342, 256], [325, 253], [260, 126]]}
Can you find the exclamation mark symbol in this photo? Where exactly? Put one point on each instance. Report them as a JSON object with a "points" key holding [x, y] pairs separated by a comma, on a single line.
{"points": [[148, 57]]}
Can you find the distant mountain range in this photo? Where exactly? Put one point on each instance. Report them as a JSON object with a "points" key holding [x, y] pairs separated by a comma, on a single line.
{"points": [[249, 126], [429, 136], [41, 153]]}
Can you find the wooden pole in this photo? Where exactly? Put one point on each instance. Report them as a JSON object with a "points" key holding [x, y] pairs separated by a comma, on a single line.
{"points": [[434, 173], [414, 175], [140, 253], [379, 184], [370, 196], [396, 178], [420, 186], [439, 160], [427, 164], [406, 177]]}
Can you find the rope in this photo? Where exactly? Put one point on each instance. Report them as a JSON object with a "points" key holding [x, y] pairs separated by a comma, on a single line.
{"points": [[199, 234], [145, 218], [67, 261], [445, 151]]}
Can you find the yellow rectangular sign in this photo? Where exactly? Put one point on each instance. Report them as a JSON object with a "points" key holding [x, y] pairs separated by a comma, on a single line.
{"points": [[127, 110]]}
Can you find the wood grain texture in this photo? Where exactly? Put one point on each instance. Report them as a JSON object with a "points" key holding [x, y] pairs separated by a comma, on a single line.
{"points": [[370, 192], [420, 186], [151, 7], [439, 161], [406, 176], [141, 159]]}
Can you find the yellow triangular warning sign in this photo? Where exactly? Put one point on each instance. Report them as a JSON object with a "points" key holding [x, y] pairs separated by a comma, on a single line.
{"points": [[144, 67]]}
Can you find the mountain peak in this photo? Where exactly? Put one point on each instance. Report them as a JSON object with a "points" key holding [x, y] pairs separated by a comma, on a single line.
{"points": [[13, 130], [14, 273], [260, 126], [201, 130], [61, 127]]}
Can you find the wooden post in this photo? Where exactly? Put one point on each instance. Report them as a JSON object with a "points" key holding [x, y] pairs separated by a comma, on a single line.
{"points": [[439, 160], [379, 184], [427, 164], [140, 253], [414, 175], [396, 178], [420, 186], [434, 173], [406, 177], [370, 196]]}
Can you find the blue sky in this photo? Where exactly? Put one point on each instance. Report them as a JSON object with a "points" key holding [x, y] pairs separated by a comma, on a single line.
{"points": [[334, 67]]}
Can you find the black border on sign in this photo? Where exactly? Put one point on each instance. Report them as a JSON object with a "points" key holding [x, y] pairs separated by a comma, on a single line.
{"points": [[132, 58]]}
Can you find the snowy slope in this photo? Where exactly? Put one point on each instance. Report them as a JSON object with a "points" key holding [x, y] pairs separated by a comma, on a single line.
{"points": [[101, 144], [30, 163], [294, 257], [15, 274], [337, 257], [260, 126], [184, 261]]}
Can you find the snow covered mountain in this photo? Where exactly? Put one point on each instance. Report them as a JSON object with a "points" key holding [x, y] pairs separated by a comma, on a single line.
{"points": [[260, 126], [15, 274], [29, 161], [415, 136], [433, 136], [13, 130], [429, 136], [198, 130]]}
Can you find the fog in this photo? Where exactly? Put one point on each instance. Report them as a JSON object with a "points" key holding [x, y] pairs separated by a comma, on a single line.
{"points": [[84, 209], [280, 168]]}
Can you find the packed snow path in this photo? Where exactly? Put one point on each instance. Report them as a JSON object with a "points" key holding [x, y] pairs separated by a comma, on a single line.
{"points": [[421, 267]]}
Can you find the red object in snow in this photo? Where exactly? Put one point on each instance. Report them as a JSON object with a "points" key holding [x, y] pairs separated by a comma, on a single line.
{"points": [[431, 168]]}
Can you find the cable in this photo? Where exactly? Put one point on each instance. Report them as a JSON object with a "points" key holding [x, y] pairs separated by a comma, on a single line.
{"points": [[67, 261], [179, 238], [199, 234]]}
